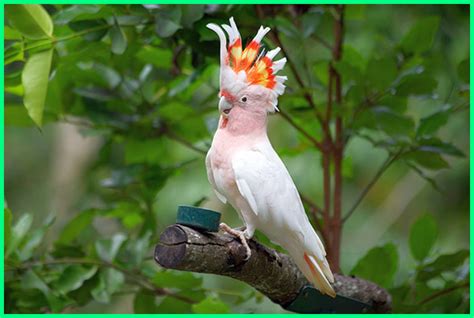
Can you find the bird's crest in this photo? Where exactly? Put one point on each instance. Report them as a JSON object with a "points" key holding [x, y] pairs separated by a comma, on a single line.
{"points": [[250, 65]]}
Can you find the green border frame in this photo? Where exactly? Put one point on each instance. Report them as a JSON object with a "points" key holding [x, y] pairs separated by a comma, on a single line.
{"points": [[471, 116]]}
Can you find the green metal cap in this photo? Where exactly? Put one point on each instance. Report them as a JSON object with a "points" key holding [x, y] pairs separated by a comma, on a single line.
{"points": [[311, 301], [201, 219]]}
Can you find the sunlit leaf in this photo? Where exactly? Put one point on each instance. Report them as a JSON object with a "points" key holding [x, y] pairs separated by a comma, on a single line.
{"points": [[18, 232], [379, 265], [423, 236], [211, 305], [35, 78], [31, 20]]}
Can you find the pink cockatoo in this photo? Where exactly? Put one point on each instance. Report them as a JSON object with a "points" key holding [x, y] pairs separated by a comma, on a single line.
{"points": [[242, 166]]}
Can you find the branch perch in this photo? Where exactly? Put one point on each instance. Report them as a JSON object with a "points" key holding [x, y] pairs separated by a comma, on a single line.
{"points": [[272, 273]]}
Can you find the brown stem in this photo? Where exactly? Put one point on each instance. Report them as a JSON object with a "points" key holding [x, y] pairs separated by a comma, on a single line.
{"points": [[327, 200], [338, 149], [442, 293]]}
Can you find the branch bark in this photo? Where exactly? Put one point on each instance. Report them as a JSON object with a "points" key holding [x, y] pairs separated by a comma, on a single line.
{"points": [[272, 273]]}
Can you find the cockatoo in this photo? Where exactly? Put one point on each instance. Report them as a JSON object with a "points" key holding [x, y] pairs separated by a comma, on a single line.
{"points": [[242, 166]]}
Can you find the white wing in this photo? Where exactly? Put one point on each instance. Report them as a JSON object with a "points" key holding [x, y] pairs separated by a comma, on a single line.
{"points": [[265, 183], [210, 177]]}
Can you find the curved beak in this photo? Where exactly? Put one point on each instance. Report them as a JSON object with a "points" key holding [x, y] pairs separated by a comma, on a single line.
{"points": [[224, 106]]}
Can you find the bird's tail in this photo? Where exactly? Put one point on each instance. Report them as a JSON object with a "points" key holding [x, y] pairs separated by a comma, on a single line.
{"points": [[316, 271]]}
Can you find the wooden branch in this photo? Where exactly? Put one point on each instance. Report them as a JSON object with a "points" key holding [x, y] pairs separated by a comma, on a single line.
{"points": [[272, 273]]}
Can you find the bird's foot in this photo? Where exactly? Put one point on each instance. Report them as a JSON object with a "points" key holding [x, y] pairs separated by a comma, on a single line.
{"points": [[242, 237]]}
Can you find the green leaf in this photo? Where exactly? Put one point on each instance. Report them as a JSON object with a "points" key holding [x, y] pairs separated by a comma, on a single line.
{"points": [[144, 151], [107, 249], [421, 36], [18, 232], [73, 277], [7, 221], [75, 227], [14, 53], [69, 14], [447, 262], [30, 19], [378, 265], [310, 21], [427, 159], [32, 281], [437, 146], [167, 21], [174, 279], [160, 58], [211, 305], [191, 14], [430, 124], [35, 78], [11, 34], [463, 71], [93, 30], [34, 239], [144, 303], [416, 84], [171, 305], [110, 281], [119, 41], [355, 12], [392, 123], [381, 72], [423, 235]]}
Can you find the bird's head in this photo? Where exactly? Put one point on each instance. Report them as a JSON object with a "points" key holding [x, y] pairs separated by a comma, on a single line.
{"points": [[248, 79]]}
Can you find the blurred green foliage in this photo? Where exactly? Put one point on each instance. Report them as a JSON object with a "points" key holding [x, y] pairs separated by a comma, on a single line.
{"points": [[142, 79]]}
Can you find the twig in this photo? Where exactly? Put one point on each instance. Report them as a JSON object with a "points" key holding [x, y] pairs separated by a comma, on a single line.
{"points": [[390, 159], [442, 293], [184, 142], [137, 277], [290, 120]]}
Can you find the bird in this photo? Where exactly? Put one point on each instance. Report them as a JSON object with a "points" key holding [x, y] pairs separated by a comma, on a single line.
{"points": [[242, 166]]}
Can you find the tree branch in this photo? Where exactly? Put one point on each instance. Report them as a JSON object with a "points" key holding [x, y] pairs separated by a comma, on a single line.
{"points": [[272, 273]]}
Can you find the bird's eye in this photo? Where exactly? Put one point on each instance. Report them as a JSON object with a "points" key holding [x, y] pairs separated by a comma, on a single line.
{"points": [[244, 99]]}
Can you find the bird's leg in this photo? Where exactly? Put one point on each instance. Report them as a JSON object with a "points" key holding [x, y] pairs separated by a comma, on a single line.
{"points": [[241, 235]]}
